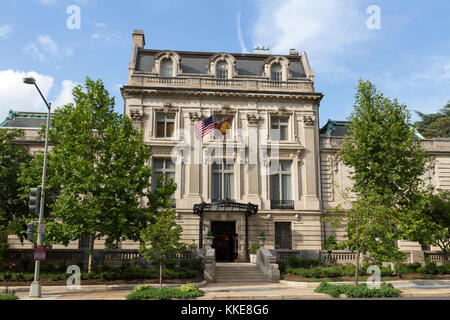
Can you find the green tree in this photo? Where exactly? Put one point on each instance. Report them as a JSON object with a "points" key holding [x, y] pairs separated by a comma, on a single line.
{"points": [[160, 240], [386, 162], [364, 221], [435, 229], [98, 169], [12, 207], [435, 125]]}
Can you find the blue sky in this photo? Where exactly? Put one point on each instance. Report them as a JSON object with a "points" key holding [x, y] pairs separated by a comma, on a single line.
{"points": [[407, 58]]}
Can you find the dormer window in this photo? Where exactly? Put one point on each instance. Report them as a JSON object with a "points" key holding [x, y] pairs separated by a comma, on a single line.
{"points": [[276, 73], [167, 68], [222, 70]]}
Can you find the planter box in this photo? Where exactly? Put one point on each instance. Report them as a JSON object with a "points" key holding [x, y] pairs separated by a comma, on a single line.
{"points": [[253, 258]]}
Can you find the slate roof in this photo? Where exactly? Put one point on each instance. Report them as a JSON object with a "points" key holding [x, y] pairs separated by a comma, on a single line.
{"points": [[340, 129], [24, 120], [198, 62], [335, 128]]}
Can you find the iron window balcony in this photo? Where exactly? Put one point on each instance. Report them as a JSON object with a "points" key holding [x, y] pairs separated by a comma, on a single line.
{"points": [[281, 204]]}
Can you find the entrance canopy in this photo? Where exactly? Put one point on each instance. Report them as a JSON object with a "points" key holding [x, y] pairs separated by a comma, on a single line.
{"points": [[226, 205]]}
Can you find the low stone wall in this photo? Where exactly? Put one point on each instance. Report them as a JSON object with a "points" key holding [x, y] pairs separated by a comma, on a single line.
{"points": [[111, 257]]}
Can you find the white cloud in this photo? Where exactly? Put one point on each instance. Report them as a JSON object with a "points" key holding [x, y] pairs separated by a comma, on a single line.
{"points": [[5, 31], [100, 25], [423, 83], [65, 96], [313, 26], [47, 2], [46, 49], [18, 96], [239, 33]]}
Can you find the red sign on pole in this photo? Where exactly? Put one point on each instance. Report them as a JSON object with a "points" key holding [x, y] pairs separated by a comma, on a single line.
{"points": [[39, 253]]}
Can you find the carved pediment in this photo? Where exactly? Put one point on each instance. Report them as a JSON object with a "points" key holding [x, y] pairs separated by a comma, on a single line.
{"points": [[167, 108], [225, 110], [281, 112], [252, 117]]}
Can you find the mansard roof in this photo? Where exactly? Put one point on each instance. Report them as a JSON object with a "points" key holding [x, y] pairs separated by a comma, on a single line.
{"points": [[340, 129], [192, 62], [17, 119], [335, 128]]}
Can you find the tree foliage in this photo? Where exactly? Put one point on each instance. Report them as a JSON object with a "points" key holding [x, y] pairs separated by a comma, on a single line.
{"points": [[435, 229], [435, 125], [98, 169], [386, 162], [160, 240], [12, 206]]}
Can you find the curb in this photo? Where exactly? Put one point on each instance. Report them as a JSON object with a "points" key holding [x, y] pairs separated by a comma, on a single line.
{"points": [[304, 284], [90, 288]]}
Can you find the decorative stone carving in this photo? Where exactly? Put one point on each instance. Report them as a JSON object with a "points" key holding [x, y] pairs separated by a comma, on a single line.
{"points": [[309, 120], [167, 108], [281, 112], [195, 116], [136, 114], [335, 162], [225, 110], [252, 118]]}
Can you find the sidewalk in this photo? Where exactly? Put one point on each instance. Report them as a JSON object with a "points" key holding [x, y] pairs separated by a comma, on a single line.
{"points": [[285, 290]]}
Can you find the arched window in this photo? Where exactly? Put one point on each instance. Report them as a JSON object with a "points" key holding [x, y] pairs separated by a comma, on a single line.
{"points": [[275, 72], [222, 70], [167, 68]]}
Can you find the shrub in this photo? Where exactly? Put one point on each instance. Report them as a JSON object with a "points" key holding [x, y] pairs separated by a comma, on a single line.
{"points": [[429, 268], [293, 262], [254, 248], [189, 287], [282, 265], [8, 296], [164, 294], [360, 291]]}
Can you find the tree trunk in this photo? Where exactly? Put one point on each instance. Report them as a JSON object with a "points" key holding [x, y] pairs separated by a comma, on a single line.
{"points": [[160, 275], [357, 266], [91, 253]]}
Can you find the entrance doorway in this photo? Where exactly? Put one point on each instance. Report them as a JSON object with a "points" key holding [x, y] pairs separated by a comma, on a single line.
{"points": [[225, 240]]}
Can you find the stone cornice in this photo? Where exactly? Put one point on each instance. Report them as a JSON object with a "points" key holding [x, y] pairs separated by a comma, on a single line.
{"points": [[137, 91]]}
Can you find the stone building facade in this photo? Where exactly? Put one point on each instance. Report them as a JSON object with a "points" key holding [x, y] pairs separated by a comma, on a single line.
{"points": [[274, 156]]}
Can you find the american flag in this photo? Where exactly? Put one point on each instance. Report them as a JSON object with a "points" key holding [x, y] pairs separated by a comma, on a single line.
{"points": [[204, 127]]}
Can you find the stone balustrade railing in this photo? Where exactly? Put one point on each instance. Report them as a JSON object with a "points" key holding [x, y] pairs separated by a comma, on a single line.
{"points": [[267, 263], [140, 79], [80, 256]]}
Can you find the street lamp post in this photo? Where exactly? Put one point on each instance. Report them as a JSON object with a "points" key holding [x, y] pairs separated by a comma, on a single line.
{"points": [[35, 289]]}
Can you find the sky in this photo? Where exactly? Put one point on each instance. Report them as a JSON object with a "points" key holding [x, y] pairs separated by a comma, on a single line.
{"points": [[402, 46]]}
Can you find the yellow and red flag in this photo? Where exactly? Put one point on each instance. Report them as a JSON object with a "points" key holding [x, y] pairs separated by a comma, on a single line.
{"points": [[223, 126]]}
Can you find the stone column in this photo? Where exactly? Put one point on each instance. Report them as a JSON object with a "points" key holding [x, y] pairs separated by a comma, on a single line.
{"points": [[193, 167], [310, 196], [253, 169]]}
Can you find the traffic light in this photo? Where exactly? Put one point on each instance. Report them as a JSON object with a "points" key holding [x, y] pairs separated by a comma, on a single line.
{"points": [[35, 200], [30, 231]]}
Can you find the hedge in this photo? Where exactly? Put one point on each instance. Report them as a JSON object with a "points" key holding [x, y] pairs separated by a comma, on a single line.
{"points": [[145, 292], [360, 291]]}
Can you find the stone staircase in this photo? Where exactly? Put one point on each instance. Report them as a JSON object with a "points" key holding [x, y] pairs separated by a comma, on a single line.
{"points": [[238, 273]]}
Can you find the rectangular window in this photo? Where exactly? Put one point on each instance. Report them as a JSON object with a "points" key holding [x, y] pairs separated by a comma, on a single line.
{"points": [[279, 128], [164, 167], [165, 124], [283, 235], [280, 187], [276, 76], [222, 182]]}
